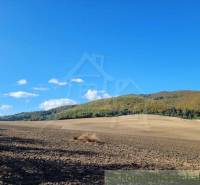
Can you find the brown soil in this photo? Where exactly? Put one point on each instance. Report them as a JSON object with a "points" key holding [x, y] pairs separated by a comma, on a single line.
{"points": [[34, 155]]}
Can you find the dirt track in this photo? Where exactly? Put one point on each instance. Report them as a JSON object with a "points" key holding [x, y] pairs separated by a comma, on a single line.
{"points": [[45, 152]]}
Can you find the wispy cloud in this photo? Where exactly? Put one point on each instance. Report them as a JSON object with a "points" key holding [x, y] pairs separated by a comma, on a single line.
{"points": [[57, 82], [40, 89], [92, 94], [5, 107], [54, 103], [22, 82], [20, 94], [77, 80]]}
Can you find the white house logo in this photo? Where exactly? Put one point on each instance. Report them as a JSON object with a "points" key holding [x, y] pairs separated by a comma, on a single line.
{"points": [[91, 69]]}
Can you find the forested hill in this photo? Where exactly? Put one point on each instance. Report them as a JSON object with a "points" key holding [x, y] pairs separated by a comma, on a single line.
{"points": [[184, 104]]}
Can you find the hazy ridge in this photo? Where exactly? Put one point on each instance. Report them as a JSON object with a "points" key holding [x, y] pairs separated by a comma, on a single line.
{"points": [[184, 104]]}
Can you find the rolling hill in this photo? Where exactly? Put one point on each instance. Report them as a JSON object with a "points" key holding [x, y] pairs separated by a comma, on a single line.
{"points": [[35, 116], [184, 104]]}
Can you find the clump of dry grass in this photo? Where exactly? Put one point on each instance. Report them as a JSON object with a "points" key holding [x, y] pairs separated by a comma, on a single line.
{"points": [[86, 137]]}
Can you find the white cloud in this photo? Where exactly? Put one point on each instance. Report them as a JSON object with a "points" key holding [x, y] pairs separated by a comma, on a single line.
{"points": [[57, 82], [40, 89], [22, 82], [21, 94], [96, 95], [50, 104], [5, 107], [77, 80]]}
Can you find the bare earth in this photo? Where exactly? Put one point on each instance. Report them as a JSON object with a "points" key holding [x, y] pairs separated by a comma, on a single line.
{"points": [[46, 153]]}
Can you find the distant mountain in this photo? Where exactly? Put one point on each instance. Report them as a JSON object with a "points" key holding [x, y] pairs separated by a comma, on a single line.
{"points": [[184, 104], [36, 116]]}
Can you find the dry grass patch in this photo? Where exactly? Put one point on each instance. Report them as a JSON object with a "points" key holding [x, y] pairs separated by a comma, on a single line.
{"points": [[86, 137]]}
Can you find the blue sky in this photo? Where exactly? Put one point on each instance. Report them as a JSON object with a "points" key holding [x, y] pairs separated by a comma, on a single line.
{"points": [[140, 46]]}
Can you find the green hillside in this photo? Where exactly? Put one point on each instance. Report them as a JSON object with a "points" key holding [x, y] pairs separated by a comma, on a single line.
{"points": [[184, 104], [35, 116]]}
